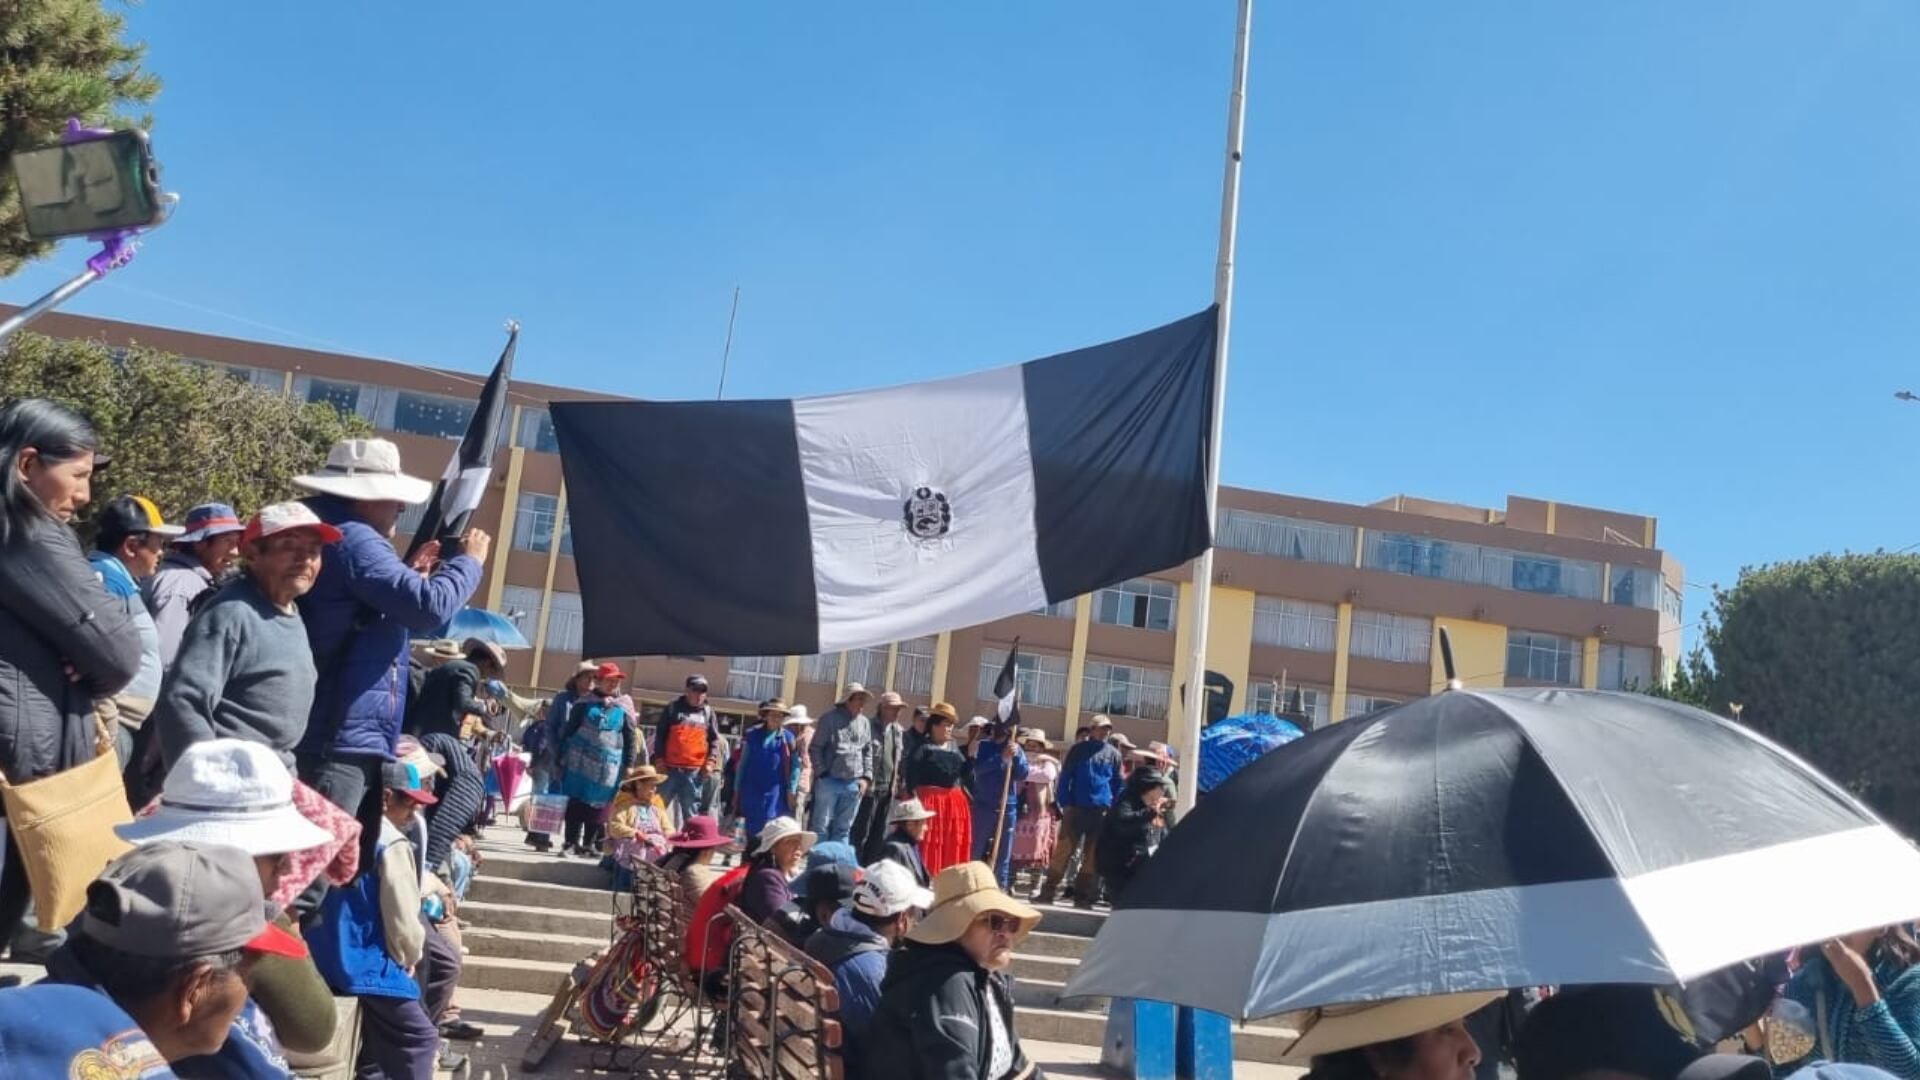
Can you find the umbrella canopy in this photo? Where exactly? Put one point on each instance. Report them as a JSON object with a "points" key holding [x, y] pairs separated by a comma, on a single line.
{"points": [[1477, 840], [1236, 742], [485, 625]]}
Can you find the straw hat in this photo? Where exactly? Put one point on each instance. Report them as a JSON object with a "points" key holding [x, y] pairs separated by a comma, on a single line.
{"points": [[1346, 1027], [641, 774], [963, 893], [908, 810], [368, 470], [798, 717], [493, 651], [1035, 737], [943, 711], [779, 829], [777, 706], [443, 649]]}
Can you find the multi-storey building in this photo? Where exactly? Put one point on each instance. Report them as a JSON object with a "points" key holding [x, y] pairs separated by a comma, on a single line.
{"points": [[1338, 600]]}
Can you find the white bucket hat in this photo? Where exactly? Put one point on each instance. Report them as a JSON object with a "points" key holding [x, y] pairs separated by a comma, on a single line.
{"points": [[367, 469], [779, 829], [797, 717], [908, 810], [231, 792]]}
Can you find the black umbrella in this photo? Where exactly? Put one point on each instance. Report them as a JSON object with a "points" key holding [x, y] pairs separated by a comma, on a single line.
{"points": [[1484, 839]]}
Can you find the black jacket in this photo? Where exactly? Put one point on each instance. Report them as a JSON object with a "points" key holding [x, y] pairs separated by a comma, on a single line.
{"points": [[932, 1021], [444, 699], [900, 847], [1130, 833]]}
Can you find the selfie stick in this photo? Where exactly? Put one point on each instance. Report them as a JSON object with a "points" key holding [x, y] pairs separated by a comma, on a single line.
{"points": [[117, 248]]}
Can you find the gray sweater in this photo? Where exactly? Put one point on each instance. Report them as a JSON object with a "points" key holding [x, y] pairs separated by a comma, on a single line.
{"points": [[244, 671]]}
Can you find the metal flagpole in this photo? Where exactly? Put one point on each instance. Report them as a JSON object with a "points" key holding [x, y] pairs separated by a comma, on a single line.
{"points": [[1193, 709]]}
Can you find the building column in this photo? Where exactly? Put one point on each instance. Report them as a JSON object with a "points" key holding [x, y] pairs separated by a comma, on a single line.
{"points": [[840, 679], [790, 679], [1590, 663], [509, 507], [893, 657], [546, 585], [1342, 639], [1077, 664], [942, 655]]}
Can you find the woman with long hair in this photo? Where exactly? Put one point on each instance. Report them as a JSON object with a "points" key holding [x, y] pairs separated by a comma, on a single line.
{"points": [[1863, 993], [933, 773], [63, 641]]}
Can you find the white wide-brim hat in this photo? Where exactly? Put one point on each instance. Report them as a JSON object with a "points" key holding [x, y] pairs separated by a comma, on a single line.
{"points": [[366, 469], [274, 831], [1347, 1027], [782, 827]]}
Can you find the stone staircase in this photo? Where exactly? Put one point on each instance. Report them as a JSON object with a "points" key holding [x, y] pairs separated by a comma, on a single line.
{"points": [[533, 916]]}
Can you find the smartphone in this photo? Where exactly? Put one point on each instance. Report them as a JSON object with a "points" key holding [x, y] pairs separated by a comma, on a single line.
{"points": [[96, 185]]}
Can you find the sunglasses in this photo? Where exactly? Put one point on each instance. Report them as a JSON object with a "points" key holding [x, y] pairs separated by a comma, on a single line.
{"points": [[1000, 924]]}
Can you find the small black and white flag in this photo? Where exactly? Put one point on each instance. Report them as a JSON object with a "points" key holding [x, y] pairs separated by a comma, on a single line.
{"points": [[771, 528], [464, 483], [1006, 692]]}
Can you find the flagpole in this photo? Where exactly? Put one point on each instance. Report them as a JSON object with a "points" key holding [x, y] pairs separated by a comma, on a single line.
{"points": [[1193, 708]]}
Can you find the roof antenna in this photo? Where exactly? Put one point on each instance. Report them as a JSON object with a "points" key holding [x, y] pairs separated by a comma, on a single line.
{"points": [[1446, 661]]}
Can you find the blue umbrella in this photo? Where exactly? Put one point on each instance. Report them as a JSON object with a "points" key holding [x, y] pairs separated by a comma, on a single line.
{"points": [[487, 626], [1238, 741]]}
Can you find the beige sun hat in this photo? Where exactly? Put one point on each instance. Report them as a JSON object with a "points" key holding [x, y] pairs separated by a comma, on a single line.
{"points": [[1345, 1027], [908, 810], [368, 470], [798, 716], [962, 893], [779, 829]]}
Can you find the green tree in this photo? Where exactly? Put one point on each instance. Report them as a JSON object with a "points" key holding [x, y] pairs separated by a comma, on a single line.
{"points": [[179, 432], [59, 59], [1824, 656], [1694, 683]]}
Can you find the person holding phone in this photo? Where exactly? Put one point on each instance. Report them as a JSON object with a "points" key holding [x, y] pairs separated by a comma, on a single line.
{"points": [[1863, 992]]}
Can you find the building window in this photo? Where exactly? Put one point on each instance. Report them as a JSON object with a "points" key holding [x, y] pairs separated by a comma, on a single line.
{"points": [[1059, 609], [755, 678], [1315, 701], [343, 396], [1626, 667], [913, 667], [431, 414], [868, 667], [1545, 658], [1670, 603], [536, 432], [1125, 690], [1363, 704], [564, 623], [521, 607], [534, 518], [1287, 538], [822, 669], [1635, 586], [1042, 678], [1142, 602], [1295, 624], [1477, 564], [1407, 639]]}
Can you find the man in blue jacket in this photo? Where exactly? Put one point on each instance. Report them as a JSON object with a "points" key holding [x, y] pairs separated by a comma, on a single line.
{"points": [[855, 943], [361, 615], [1090, 779]]}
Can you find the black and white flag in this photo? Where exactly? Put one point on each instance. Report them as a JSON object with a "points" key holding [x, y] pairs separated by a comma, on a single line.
{"points": [[464, 483], [768, 528], [1006, 692]]}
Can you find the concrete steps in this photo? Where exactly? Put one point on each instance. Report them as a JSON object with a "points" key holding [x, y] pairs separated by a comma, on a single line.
{"points": [[533, 916]]}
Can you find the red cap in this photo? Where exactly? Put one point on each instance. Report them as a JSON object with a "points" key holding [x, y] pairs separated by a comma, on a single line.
{"points": [[275, 941], [609, 670]]}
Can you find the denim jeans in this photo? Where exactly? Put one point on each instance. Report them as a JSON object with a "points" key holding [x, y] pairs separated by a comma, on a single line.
{"points": [[681, 792], [461, 865], [835, 802]]}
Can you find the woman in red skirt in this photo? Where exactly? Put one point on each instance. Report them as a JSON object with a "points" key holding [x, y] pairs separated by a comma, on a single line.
{"points": [[932, 772]]}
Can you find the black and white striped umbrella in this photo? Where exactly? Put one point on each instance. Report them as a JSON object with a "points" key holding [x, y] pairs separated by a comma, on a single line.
{"points": [[1477, 840]]}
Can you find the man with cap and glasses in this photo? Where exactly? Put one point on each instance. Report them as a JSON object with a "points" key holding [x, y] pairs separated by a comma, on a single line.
{"points": [[193, 564], [681, 742], [854, 945], [155, 970], [129, 539], [361, 615]]}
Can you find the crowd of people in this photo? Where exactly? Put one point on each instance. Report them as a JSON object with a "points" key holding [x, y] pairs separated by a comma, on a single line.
{"points": [[297, 793]]}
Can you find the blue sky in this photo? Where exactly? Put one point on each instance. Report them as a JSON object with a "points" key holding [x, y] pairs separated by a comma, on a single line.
{"points": [[1643, 255]]}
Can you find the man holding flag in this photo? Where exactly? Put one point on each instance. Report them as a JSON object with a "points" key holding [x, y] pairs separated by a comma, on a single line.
{"points": [[999, 767]]}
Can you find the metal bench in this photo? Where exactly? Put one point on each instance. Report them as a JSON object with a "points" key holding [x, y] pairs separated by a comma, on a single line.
{"points": [[783, 1013]]}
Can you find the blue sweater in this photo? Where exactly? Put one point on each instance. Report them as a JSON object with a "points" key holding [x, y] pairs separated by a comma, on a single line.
{"points": [[1091, 775], [365, 690], [1883, 1034], [56, 1030]]}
